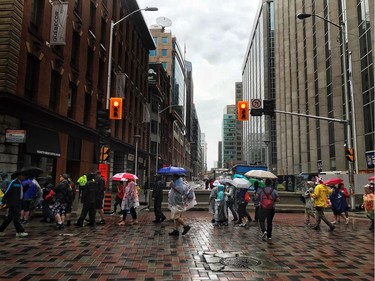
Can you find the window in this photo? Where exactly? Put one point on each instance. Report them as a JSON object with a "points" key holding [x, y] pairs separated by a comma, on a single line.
{"points": [[78, 7], [154, 127], [164, 40], [36, 16], [155, 40], [103, 31], [164, 64], [72, 97], [87, 106], [31, 78], [92, 17], [89, 63], [153, 53], [76, 40], [54, 90], [164, 52]]}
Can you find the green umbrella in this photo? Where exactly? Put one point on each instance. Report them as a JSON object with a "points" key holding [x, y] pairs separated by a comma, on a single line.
{"points": [[261, 183]]}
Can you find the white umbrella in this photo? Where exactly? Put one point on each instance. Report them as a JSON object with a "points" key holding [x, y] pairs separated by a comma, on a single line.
{"points": [[260, 174], [224, 181], [241, 183]]}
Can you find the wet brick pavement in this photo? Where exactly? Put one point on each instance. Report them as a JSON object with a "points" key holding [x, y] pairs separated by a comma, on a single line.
{"points": [[146, 251]]}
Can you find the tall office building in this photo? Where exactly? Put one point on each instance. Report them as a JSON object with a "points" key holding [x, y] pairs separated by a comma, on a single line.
{"points": [[258, 79], [229, 130], [309, 73]]}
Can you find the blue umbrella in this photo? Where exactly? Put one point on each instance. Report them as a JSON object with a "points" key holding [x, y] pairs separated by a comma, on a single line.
{"points": [[235, 176], [171, 170]]}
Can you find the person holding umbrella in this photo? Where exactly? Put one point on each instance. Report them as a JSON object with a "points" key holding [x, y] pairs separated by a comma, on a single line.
{"points": [[13, 199]]}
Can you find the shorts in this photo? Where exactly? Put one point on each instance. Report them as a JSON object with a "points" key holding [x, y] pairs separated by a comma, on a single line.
{"points": [[26, 204], [68, 208], [99, 204], [58, 209], [175, 215]]}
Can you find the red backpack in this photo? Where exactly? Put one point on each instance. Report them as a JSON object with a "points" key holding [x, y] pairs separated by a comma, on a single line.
{"points": [[266, 201]]}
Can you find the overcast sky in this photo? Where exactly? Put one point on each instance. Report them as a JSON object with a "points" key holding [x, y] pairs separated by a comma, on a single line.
{"points": [[216, 34]]}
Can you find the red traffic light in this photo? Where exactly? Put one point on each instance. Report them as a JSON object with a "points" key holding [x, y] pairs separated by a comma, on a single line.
{"points": [[243, 110], [115, 108]]}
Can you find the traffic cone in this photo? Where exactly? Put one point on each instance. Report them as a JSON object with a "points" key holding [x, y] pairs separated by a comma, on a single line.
{"points": [[107, 203]]}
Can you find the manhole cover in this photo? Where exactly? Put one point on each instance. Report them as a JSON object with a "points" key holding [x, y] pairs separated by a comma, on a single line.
{"points": [[240, 262]]}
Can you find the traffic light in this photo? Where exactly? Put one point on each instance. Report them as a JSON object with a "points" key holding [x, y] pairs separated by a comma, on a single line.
{"points": [[269, 107], [115, 108], [243, 110], [103, 125], [349, 154]]}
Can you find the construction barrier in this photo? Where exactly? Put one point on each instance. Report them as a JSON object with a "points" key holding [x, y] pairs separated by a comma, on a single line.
{"points": [[107, 206]]}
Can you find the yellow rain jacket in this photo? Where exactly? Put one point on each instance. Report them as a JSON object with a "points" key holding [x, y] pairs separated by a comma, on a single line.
{"points": [[320, 195]]}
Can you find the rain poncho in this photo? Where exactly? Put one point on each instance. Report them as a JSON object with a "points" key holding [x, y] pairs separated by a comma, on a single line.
{"points": [[181, 196], [130, 198], [220, 206]]}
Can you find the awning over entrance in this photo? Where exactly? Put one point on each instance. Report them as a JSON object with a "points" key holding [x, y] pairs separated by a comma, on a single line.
{"points": [[42, 141]]}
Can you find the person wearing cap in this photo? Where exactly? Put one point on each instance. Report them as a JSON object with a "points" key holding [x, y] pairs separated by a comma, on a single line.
{"points": [[61, 198], [13, 199], [175, 201], [368, 203], [320, 195]]}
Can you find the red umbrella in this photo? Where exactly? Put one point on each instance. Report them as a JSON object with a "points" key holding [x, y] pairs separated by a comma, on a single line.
{"points": [[124, 176], [371, 178], [333, 181]]}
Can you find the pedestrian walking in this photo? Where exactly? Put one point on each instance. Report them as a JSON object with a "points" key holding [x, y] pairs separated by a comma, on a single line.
{"points": [[243, 200], [119, 196], [99, 202], [13, 199], [89, 197], [320, 196], [268, 196], [230, 201], [129, 203], [60, 197], [157, 195], [177, 205], [309, 204], [221, 217], [339, 205], [212, 198], [368, 203]]}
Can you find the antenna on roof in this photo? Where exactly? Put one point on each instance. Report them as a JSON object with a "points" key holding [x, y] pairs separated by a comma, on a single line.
{"points": [[163, 22]]}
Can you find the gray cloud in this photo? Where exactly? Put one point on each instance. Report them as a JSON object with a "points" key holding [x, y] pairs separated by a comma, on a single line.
{"points": [[216, 34]]}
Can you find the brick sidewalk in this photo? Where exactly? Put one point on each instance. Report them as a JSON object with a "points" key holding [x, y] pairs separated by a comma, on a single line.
{"points": [[147, 252]]}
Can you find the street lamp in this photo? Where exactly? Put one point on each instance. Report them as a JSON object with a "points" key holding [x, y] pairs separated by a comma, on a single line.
{"points": [[158, 135], [267, 142], [348, 124], [137, 137], [151, 9]]}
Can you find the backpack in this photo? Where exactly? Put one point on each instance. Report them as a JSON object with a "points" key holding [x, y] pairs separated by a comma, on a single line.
{"points": [[247, 197], [266, 201], [302, 198]]}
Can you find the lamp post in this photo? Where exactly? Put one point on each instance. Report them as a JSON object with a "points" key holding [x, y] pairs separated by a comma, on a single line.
{"points": [[158, 135], [348, 120], [152, 9], [267, 142], [137, 137]]}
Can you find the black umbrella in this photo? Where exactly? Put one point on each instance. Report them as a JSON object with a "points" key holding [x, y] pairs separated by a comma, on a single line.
{"points": [[29, 172]]}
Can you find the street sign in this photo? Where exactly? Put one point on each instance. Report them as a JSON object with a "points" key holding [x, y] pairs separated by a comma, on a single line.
{"points": [[256, 103]]}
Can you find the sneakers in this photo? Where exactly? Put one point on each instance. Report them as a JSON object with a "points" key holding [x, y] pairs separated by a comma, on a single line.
{"points": [[24, 222], [334, 222], [347, 221], [101, 222], [163, 219], [186, 229], [59, 226], [264, 235], [243, 224], [21, 234], [174, 232]]}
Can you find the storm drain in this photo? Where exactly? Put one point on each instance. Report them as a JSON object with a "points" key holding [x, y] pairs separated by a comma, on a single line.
{"points": [[240, 262]]}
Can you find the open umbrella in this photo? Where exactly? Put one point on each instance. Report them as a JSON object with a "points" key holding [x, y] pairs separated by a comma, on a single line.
{"points": [[241, 183], [171, 170], [371, 178], [261, 183], [333, 181], [239, 176], [260, 174], [29, 172], [224, 181], [124, 176]]}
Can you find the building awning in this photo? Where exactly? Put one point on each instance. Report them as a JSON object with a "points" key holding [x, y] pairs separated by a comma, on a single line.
{"points": [[42, 141]]}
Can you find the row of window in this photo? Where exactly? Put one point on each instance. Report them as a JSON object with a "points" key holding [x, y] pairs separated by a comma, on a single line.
{"points": [[154, 53]]}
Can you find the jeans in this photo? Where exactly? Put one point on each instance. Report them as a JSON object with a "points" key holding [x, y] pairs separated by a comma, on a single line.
{"points": [[266, 214], [230, 206], [157, 209], [13, 215]]}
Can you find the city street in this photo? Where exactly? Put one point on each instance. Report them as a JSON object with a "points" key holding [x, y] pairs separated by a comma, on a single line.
{"points": [[146, 251]]}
